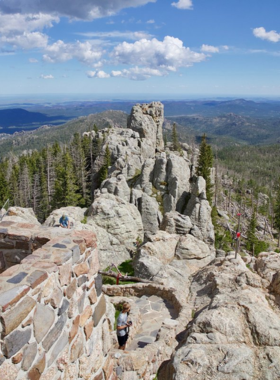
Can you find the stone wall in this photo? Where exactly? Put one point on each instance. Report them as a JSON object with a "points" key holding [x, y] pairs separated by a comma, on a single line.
{"points": [[52, 309]]}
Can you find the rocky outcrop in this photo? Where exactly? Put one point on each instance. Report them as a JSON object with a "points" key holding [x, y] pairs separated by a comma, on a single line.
{"points": [[21, 215], [267, 264], [199, 211], [177, 178], [235, 334], [157, 182], [75, 214], [171, 258], [118, 186], [176, 223], [111, 249], [147, 120], [118, 217]]}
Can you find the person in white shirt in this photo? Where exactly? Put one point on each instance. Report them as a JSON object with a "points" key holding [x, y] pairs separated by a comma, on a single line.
{"points": [[123, 326]]}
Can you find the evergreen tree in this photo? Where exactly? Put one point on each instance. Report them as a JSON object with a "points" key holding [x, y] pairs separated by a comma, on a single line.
{"points": [[79, 161], [103, 173], [65, 187], [277, 211], [25, 186], [175, 142], [4, 188], [251, 233], [205, 163], [45, 201]]}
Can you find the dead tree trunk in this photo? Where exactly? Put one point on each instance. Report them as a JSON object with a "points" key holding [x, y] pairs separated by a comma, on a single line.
{"points": [[125, 278]]}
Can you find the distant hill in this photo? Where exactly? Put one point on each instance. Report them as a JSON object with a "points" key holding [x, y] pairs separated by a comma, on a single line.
{"points": [[17, 119], [215, 108], [208, 108], [241, 129], [39, 138]]}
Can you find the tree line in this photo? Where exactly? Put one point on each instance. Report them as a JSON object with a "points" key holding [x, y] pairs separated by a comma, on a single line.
{"points": [[57, 176]]}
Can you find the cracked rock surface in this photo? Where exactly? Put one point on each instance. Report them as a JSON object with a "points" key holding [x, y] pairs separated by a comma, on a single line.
{"points": [[235, 330]]}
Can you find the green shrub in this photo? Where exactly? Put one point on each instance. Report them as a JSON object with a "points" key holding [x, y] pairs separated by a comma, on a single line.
{"points": [[125, 268], [260, 246], [84, 220]]}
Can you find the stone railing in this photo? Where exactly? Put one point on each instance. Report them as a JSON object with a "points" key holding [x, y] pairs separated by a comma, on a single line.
{"points": [[52, 309]]}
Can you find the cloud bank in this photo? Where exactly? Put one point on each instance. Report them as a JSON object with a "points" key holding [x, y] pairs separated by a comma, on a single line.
{"points": [[78, 9], [166, 55]]}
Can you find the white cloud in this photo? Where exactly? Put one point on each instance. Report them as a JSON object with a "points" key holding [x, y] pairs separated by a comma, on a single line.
{"points": [[150, 21], [17, 23], [137, 73], [271, 36], [85, 52], [26, 40], [117, 34], [21, 31], [225, 47], [46, 76], [168, 55], [101, 74], [91, 74], [209, 49], [183, 4], [33, 60], [82, 9], [98, 74]]}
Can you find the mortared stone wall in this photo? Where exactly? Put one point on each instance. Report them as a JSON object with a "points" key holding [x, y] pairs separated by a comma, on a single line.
{"points": [[53, 321]]}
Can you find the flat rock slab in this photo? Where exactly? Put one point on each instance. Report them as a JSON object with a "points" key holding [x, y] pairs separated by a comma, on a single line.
{"points": [[15, 341], [157, 306], [12, 296], [155, 299], [154, 310]]}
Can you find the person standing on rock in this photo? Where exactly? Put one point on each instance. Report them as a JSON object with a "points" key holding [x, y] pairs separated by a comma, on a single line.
{"points": [[64, 221], [123, 326]]}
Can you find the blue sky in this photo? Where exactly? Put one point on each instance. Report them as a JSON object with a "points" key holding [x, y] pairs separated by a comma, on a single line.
{"points": [[184, 48]]}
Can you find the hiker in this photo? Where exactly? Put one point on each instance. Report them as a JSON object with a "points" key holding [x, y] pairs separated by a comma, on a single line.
{"points": [[123, 326], [64, 221]]}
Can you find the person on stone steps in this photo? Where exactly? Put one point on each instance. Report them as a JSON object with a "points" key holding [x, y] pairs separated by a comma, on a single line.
{"points": [[123, 326], [64, 221]]}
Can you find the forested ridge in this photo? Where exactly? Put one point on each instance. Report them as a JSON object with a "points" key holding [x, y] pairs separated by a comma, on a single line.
{"points": [[258, 165], [57, 176]]}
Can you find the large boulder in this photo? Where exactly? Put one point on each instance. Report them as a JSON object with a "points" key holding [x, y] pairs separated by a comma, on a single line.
{"points": [[75, 214], [178, 185], [149, 210], [175, 223], [118, 217], [159, 174], [161, 245], [117, 186], [144, 182], [267, 264], [110, 249], [150, 265], [195, 251], [21, 215], [199, 211]]}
